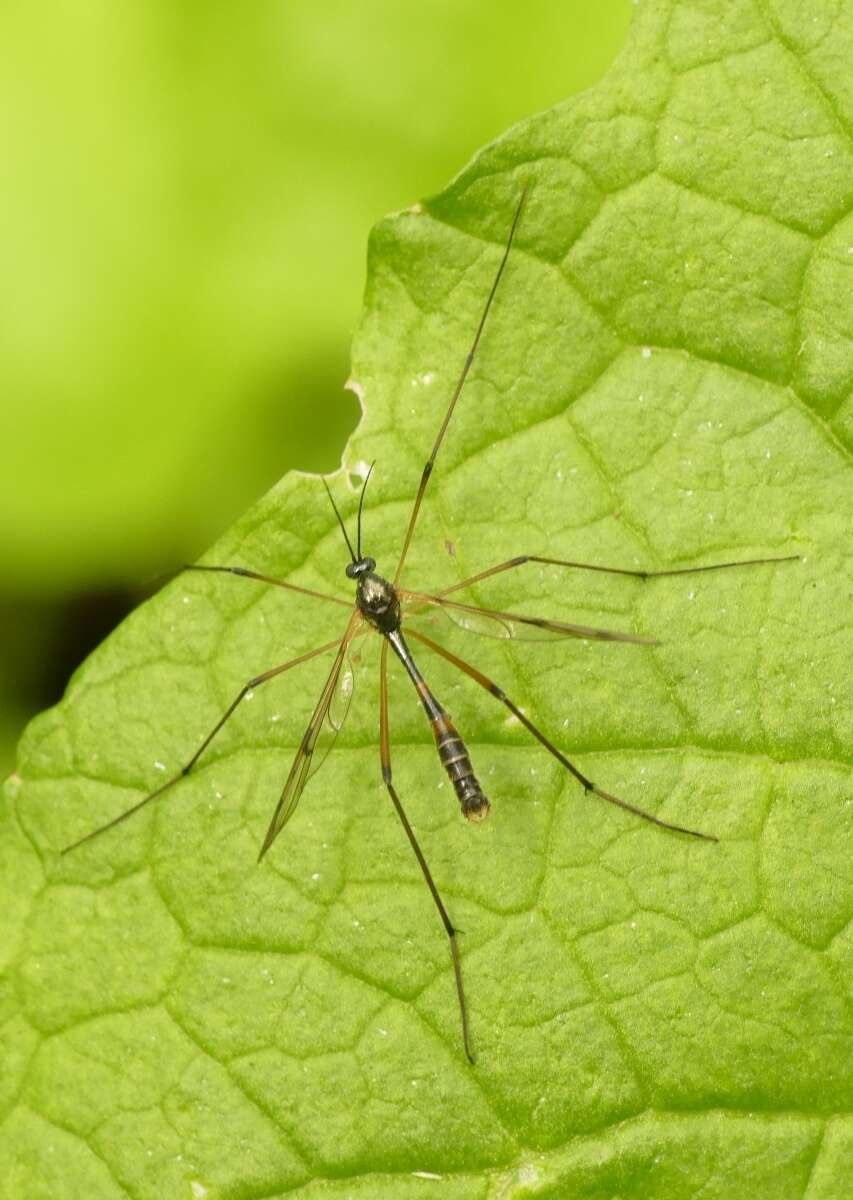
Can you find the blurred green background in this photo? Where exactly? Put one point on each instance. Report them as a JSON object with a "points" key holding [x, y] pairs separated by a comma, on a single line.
{"points": [[186, 195]]}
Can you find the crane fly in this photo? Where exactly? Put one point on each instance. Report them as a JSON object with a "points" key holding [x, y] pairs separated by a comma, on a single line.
{"points": [[381, 606]]}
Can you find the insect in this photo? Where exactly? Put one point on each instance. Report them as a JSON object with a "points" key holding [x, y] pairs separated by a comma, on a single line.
{"points": [[381, 606]]}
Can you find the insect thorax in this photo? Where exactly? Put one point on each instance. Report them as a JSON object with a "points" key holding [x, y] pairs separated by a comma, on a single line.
{"points": [[378, 600]]}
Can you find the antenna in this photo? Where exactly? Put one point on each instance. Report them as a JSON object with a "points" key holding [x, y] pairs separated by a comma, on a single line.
{"points": [[361, 502], [340, 518]]}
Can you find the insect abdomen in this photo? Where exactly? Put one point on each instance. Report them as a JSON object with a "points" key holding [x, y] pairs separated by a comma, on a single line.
{"points": [[451, 749], [457, 763]]}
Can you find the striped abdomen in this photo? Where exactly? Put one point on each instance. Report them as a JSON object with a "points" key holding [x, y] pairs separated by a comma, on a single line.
{"points": [[451, 749], [457, 763]]}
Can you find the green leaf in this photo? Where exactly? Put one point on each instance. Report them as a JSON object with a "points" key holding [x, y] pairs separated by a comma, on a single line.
{"points": [[665, 380], [181, 265]]}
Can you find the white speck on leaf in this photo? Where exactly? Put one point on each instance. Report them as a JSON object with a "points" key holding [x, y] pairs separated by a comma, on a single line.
{"points": [[360, 470]]}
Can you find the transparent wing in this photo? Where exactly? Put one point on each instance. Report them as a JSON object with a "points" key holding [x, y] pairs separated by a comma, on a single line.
{"points": [[435, 615], [492, 623], [339, 705], [341, 698], [300, 770]]}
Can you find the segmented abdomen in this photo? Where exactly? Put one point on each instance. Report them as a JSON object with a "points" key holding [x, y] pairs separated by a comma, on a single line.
{"points": [[451, 749], [457, 763]]}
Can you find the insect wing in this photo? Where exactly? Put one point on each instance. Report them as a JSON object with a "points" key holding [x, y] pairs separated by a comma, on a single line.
{"points": [[300, 770], [472, 622], [345, 688], [492, 623], [338, 710]]}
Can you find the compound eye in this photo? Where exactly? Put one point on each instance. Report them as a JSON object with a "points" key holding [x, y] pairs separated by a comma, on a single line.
{"points": [[363, 567]]}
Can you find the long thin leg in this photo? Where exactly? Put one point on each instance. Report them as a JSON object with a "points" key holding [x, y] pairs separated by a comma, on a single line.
{"points": [[521, 559], [587, 784], [511, 621], [430, 463], [385, 756], [282, 583], [185, 770]]}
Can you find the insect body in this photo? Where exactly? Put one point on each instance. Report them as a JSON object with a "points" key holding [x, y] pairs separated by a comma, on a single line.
{"points": [[378, 601], [382, 605]]}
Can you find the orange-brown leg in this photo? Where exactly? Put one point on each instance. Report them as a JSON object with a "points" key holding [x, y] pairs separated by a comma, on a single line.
{"points": [[188, 766], [587, 784], [385, 757], [521, 559]]}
